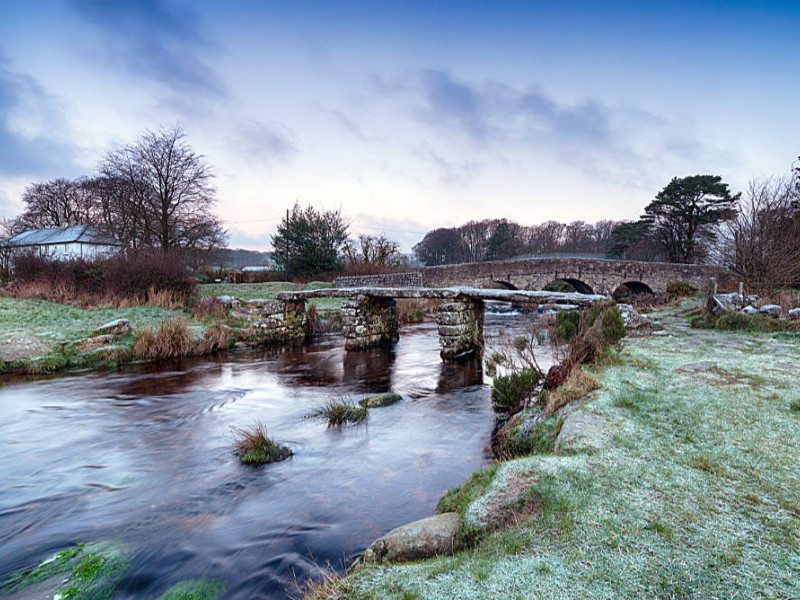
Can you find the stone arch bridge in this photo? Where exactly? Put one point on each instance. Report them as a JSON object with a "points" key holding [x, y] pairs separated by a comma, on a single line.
{"points": [[586, 275]]}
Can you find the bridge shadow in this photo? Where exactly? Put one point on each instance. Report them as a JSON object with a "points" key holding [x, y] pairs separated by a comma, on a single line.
{"points": [[630, 289]]}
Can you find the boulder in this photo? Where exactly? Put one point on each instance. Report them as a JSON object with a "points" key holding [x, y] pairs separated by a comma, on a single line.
{"points": [[93, 343], [750, 310], [380, 400], [581, 430], [22, 347], [118, 327], [229, 301], [419, 540], [772, 310], [794, 314], [631, 318]]}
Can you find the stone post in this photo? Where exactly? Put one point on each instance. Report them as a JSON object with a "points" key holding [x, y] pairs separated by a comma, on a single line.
{"points": [[460, 328], [369, 322]]}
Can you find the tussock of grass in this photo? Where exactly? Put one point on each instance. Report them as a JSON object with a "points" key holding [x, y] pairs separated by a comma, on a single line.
{"points": [[172, 339], [254, 447], [339, 411], [737, 321]]}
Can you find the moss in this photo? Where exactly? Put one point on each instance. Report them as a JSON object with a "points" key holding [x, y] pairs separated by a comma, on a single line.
{"points": [[92, 573], [195, 589]]}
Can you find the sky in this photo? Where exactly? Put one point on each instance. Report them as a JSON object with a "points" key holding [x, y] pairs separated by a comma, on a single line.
{"points": [[406, 116]]}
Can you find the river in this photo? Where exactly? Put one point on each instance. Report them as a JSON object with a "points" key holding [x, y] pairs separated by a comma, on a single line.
{"points": [[143, 456]]}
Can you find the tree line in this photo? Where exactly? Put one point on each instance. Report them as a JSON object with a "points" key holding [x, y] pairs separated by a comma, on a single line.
{"points": [[153, 193]]}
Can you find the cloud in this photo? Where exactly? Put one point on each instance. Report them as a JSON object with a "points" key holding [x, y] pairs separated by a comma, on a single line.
{"points": [[154, 40], [30, 124], [260, 142], [506, 123], [241, 239], [457, 173]]}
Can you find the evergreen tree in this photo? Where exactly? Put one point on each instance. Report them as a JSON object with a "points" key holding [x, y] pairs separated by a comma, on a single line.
{"points": [[685, 211]]}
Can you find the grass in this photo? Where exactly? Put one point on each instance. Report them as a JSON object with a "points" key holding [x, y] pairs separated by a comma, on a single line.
{"points": [[736, 321], [694, 494], [339, 411], [171, 339], [254, 447], [253, 291], [195, 589]]}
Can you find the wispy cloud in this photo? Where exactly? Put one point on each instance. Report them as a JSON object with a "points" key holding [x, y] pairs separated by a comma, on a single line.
{"points": [[262, 142], [155, 40], [509, 123], [30, 124]]}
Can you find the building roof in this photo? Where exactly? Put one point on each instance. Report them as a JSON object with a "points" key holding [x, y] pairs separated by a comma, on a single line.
{"points": [[85, 234]]}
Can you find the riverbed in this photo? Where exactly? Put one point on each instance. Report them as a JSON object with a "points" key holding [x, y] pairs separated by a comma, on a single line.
{"points": [[143, 456]]}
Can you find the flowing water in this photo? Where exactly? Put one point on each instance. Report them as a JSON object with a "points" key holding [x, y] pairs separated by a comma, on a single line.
{"points": [[144, 456]]}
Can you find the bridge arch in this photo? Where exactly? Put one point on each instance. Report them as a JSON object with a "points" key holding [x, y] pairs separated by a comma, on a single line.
{"points": [[631, 288], [503, 285], [579, 286]]}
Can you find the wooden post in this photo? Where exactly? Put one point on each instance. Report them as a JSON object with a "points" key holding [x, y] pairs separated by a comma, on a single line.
{"points": [[712, 305]]}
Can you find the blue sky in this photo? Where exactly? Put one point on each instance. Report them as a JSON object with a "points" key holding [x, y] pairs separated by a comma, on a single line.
{"points": [[406, 115]]}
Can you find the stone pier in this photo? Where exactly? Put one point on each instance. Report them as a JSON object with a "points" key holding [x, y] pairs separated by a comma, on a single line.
{"points": [[460, 324], [369, 321], [277, 320]]}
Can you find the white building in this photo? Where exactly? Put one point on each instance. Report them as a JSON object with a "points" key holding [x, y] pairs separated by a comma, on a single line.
{"points": [[77, 241]]}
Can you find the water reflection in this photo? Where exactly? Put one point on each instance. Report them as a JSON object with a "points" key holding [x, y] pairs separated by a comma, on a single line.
{"points": [[143, 455]]}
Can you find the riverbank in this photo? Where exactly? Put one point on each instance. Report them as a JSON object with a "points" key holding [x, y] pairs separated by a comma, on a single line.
{"points": [[685, 485], [39, 336]]}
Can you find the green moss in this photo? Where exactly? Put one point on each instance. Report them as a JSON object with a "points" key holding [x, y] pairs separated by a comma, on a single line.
{"points": [[92, 573], [195, 589], [458, 499]]}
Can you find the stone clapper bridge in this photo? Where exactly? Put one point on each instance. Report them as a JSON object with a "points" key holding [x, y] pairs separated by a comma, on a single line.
{"points": [[369, 314]]}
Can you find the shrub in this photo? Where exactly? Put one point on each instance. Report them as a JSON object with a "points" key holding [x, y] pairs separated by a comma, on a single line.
{"points": [[172, 339], [254, 447], [338, 411], [736, 321], [559, 286], [565, 326], [146, 273], [679, 289], [510, 392]]}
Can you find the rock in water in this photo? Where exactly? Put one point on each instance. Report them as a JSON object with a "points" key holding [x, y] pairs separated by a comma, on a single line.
{"points": [[419, 540], [380, 400], [118, 327]]}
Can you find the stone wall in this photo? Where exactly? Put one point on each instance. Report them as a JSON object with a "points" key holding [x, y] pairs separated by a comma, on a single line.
{"points": [[460, 324], [602, 276], [399, 280], [368, 322]]}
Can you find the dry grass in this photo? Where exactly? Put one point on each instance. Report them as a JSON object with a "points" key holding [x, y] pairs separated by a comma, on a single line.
{"points": [[577, 385], [172, 339], [209, 308], [217, 337], [411, 310]]}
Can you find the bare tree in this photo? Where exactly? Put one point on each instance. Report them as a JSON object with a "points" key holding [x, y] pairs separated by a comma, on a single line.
{"points": [[167, 189], [762, 244], [56, 203]]}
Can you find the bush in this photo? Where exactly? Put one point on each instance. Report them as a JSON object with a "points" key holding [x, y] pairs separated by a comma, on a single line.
{"points": [[559, 286], [510, 392], [254, 447], [146, 273], [680, 289], [144, 277], [565, 326]]}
